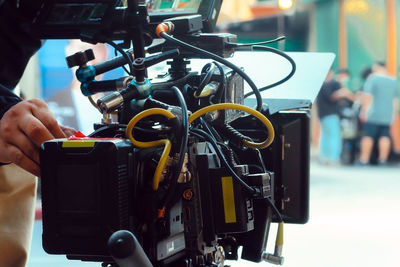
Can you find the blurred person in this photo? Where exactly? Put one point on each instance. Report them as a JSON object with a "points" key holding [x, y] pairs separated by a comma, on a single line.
{"points": [[348, 109], [343, 77], [379, 104], [365, 72], [327, 99], [70, 106], [346, 97]]}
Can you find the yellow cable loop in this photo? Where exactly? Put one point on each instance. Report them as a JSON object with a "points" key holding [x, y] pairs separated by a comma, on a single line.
{"points": [[255, 113], [165, 142]]}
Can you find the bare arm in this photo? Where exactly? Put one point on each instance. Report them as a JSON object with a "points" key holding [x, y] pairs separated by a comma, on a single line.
{"points": [[366, 100], [343, 93], [23, 128]]}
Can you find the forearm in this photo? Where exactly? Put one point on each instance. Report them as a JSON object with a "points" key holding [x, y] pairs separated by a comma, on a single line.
{"points": [[7, 100], [366, 102], [343, 93]]}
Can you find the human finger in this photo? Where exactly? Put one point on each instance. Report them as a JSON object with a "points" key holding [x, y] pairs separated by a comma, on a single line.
{"points": [[23, 143], [68, 131], [44, 115], [20, 159], [35, 130]]}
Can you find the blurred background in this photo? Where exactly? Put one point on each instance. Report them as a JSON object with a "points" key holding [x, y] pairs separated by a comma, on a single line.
{"points": [[354, 209], [358, 32]]}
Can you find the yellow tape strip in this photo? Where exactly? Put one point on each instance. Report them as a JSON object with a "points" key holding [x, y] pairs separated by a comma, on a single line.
{"points": [[229, 199], [78, 143]]}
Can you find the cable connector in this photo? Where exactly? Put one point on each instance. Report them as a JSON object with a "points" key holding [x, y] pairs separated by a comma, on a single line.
{"points": [[276, 258], [165, 27]]}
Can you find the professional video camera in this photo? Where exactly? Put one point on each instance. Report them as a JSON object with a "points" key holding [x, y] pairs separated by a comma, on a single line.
{"points": [[184, 177]]}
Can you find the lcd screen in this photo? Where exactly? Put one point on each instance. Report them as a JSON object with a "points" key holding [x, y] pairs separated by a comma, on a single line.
{"points": [[169, 6]]}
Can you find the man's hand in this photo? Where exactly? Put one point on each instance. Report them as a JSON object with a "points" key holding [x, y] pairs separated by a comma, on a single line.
{"points": [[366, 101], [23, 128], [363, 116], [343, 93]]}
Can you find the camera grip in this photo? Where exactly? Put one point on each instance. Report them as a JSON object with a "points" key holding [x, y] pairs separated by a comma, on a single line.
{"points": [[126, 250]]}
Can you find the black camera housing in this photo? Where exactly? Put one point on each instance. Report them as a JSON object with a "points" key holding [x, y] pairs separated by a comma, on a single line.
{"points": [[93, 187], [85, 194], [288, 157]]}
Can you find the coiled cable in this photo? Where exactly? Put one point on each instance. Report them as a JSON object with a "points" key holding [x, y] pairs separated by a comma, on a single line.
{"points": [[255, 113], [162, 142]]}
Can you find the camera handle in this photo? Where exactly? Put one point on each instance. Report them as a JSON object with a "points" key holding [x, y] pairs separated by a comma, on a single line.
{"points": [[127, 251]]}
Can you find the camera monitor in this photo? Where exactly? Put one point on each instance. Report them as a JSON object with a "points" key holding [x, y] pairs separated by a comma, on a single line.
{"points": [[63, 19], [164, 9]]}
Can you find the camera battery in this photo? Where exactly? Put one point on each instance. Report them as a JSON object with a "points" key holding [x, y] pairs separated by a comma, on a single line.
{"points": [[233, 209], [85, 191]]}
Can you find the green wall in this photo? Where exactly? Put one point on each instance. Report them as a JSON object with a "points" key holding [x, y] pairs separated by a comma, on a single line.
{"points": [[366, 32], [327, 27]]}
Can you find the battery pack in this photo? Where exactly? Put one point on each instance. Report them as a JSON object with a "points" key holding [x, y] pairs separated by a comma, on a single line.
{"points": [[85, 193]]}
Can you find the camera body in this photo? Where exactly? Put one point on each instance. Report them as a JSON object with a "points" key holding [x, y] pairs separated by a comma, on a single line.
{"points": [[216, 191], [110, 192]]}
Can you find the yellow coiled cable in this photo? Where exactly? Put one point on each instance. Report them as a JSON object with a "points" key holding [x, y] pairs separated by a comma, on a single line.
{"points": [[194, 116], [255, 113], [165, 142]]}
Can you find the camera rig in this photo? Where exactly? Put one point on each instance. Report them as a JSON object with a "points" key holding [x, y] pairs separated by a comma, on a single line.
{"points": [[184, 177]]}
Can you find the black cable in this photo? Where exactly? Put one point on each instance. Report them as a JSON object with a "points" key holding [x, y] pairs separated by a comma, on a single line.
{"points": [[269, 202], [163, 85], [222, 61], [283, 54], [182, 149], [124, 54], [221, 155], [116, 54], [221, 88], [260, 158], [203, 134], [185, 129], [206, 79], [212, 132], [229, 153], [280, 38], [206, 127]]}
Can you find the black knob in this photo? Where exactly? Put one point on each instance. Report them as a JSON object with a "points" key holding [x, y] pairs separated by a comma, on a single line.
{"points": [[80, 58], [127, 251]]}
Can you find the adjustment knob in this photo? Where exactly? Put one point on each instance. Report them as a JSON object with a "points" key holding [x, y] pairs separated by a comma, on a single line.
{"points": [[80, 58]]}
